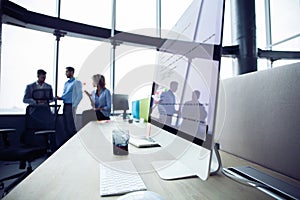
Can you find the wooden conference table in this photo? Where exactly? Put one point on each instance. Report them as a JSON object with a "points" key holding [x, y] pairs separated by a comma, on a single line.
{"points": [[72, 172]]}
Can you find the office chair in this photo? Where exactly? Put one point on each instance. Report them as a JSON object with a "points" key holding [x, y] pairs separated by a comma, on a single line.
{"points": [[87, 116], [40, 123]]}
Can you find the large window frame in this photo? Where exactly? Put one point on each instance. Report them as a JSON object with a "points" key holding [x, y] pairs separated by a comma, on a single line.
{"points": [[160, 30], [281, 44]]}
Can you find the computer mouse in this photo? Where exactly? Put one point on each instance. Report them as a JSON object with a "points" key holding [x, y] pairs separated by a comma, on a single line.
{"points": [[141, 195]]}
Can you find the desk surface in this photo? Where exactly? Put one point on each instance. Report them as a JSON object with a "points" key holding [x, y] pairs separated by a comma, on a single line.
{"points": [[72, 172]]}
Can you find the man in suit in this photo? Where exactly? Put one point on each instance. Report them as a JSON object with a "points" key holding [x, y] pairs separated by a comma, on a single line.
{"points": [[39, 84]]}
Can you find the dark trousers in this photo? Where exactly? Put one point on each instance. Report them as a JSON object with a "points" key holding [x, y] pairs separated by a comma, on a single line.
{"points": [[100, 116], [69, 124]]}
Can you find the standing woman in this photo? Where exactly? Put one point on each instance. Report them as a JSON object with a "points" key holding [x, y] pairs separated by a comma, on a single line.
{"points": [[95, 79], [101, 98]]}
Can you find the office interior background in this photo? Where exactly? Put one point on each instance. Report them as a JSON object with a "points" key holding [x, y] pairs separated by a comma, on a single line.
{"points": [[23, 50], [276, 33]]}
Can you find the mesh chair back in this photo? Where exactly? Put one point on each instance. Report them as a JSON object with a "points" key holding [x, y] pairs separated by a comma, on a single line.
{"points": [[42, 94], [38, 118]]}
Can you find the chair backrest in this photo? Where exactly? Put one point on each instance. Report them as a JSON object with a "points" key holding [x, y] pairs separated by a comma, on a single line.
{"points": [[38, 118], [87, 116], [43, 94]]}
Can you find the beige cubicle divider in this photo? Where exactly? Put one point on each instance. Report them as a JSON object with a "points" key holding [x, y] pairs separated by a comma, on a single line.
{"points": [[258, 118]]}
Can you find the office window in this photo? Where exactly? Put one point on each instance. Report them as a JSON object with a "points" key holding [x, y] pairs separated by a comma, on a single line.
{"points": [[171, 11], [261, 33], [285, 16], [287, 20], [226, 62], [290, 45], [24, 51], [260, 25], [87, 60], [47, 7], [132, 15], [134, 71], [92, 12], [262, 64], [226, 70]]}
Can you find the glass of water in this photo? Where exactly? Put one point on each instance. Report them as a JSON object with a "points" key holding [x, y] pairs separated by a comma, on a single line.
{"points": [[120, 139]]}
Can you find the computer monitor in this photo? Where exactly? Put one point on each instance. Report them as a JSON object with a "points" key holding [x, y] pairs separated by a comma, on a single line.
{"points": [[120, 102], [185, 88]]}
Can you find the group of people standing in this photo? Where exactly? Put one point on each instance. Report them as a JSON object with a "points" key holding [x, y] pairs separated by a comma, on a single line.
{"points": [[72, 94]]}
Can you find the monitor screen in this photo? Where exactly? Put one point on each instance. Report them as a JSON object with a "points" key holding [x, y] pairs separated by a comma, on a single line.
{"points": [[185, 87], [120, 102]]}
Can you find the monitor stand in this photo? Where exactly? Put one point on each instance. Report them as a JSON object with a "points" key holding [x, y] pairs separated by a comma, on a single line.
{"points": [[172, 169], [177, 169], [124, 114], [275, 187], [216, 163]]}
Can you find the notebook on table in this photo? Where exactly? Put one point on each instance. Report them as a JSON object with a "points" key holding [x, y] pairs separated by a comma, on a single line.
{"points": [[143, 142]]}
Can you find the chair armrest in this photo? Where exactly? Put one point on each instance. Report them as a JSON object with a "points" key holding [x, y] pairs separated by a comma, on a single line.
{"points": [[56, 107], [7, 130], [43, 132], [4, 132]]}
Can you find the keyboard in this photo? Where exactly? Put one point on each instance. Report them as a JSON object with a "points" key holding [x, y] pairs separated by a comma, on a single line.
{"points": [[119, 177]]}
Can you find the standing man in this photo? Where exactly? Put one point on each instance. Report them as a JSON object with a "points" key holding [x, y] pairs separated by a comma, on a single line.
{"points": [[193, 115], [167, 103], [39, 84], [71, 97]]}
